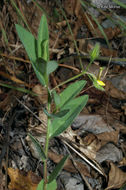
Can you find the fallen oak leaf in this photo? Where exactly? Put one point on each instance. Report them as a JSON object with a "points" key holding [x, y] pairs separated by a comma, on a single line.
{"points": [[117, 178], [21, 180]]}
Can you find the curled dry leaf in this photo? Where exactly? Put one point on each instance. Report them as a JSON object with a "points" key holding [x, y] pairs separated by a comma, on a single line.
{"points": [[117, 177], [69, 165], [77, 142], [22, 181], [108, 137], [123, 162], [92, 143]]}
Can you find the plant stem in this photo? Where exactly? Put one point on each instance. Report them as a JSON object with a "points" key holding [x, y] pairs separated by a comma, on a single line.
{"points": [[72, 78], [46, 150]]}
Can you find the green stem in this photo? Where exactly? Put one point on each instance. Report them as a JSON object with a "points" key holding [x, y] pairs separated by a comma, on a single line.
{"points": [[46, 150], [72, 78], [106, 59]]}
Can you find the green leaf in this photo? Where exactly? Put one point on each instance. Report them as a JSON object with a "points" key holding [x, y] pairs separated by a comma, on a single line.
{"points": [[120, 3], [28, 41], [57, 98], [43, 34], [39, 75], [41, 65], [56, 115], [45, 50], [38, 148], [70, 92], [49, 186], [51, 66], [61, 113], [57, 169], [95, 52], [45, 68], [75, 106]]}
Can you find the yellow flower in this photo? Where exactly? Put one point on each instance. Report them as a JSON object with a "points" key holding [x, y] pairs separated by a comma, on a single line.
{"points": [[101, 83]]}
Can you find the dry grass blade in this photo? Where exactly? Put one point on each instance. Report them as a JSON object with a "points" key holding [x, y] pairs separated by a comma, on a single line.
{"points": [[27, 61], [69, 27], [99, 169], [13, 78], [20, 13]]}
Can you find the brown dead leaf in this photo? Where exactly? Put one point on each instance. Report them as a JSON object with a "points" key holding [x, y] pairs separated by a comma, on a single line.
{"points": [[92, 26], [117, 177], [109, 113], [92, 143], [114, 92], [108, 137], [108, 52], [124, 108], [22, 181], [42, 93], [71, 6], [110, 32], [77, 8], [77, 142], [93, 123], [123, 162], [69, 165], [104, 51], [120, 126], [9, 99]]}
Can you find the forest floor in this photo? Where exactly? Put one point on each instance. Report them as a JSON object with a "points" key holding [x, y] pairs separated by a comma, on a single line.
{"points": [[99, 132]]}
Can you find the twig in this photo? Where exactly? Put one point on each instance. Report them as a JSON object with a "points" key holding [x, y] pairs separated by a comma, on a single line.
{"points": [[85, 159], [31, 112], [75, 165]]}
